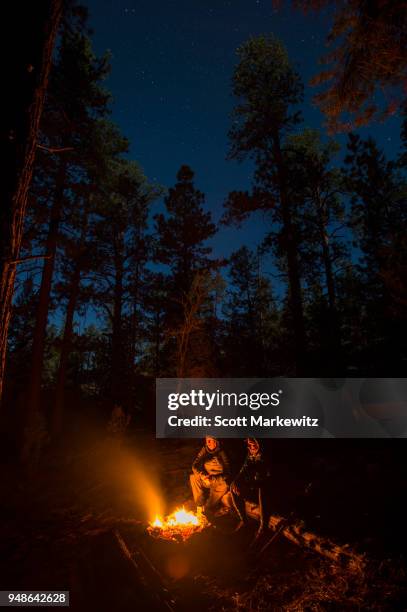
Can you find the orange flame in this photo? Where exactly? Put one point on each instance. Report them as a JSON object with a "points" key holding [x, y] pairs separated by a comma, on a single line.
{"points": [[157, 523], [179, 525]]}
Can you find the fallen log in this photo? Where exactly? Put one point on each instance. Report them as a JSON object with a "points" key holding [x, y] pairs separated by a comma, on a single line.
{"points": [[109, 578], [296, 532]]}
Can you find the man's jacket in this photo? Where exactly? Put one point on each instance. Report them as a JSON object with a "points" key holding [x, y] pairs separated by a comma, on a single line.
{"points": [[211, 463], [254, 473]]}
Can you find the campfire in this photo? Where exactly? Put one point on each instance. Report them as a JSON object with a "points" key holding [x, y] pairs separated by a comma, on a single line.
{"points": [[178, 526]]}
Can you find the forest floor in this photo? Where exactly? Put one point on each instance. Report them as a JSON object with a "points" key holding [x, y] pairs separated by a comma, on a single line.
{"points": [[53, 537]]}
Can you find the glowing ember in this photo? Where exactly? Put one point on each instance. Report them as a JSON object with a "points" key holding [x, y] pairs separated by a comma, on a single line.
{"points": [[178, 526]]}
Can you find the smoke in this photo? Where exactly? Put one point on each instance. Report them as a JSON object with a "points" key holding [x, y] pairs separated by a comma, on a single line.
{"points": [[121, 481], [135, 477], [144, 484]]}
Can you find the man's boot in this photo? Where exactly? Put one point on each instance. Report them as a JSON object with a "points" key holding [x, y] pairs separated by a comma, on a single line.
{"points": [[240, 509]]}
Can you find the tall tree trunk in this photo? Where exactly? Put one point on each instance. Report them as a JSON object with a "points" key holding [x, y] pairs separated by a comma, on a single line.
{"points": [[330, 283], [334, 327], [34, 389], [117, 324], [58, 409], [135, 316], [295, 294], [28, 64]]}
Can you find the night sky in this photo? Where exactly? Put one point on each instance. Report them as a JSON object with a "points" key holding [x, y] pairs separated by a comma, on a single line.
{"points": [[172, 63]]}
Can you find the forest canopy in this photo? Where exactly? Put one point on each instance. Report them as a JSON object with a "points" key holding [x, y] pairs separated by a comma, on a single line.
{"points": [[119, 283]]}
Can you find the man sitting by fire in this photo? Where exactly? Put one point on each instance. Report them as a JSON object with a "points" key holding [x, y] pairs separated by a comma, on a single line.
{"points": [[210, 476], [252, 483]]}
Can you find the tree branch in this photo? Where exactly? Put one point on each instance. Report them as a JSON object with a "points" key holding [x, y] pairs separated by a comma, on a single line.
{"points": [[29, 258], [54, 149]]}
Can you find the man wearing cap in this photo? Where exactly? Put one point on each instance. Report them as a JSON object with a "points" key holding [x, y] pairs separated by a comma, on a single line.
{"points": [[210, 475]]}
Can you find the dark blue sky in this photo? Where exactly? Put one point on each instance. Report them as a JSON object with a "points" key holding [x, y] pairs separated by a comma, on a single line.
{"points": [[172, 62]]}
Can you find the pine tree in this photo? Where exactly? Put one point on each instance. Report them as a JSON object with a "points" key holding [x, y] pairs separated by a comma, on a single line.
{"points": [[181, 244], [267, 90], [317, 192], [182, 233]]}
